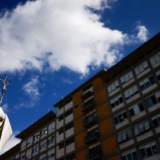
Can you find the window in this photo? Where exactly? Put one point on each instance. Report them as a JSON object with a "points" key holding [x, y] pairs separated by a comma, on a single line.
{"points": [[61, 131], [116, 101], [141, 67], [61, 145], [113, 86], [158, 75], [95, 151], [87, 88], [36, 148], [132, 155], [145, 83], [152, 100], [71, 157], [50, 140], [68, 101], [50, 153], [91, 117], [148, 150], [44, 131], [29, 140], [88, 103], [36, 136], [126, 77], [155, 58], [43, 144], [51, 126], [156, 120], [69, 141], [60, 118], [69, 126], [136, 109], [68, 113], [141, 128], [131, 92], [124, 136], [61, 106], [120, 117], [93, 133]]}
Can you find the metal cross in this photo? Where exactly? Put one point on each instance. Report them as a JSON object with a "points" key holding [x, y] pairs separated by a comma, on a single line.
{"points": [[4, 87]]}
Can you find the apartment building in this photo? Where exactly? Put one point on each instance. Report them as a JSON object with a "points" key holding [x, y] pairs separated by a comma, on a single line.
{"points": [[115, 115]]}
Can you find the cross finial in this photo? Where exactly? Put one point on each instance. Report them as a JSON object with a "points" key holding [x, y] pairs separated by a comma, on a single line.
{"points": [[4, 87]]}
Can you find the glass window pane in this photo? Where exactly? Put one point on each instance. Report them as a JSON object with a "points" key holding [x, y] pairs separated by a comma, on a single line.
{"points": [[136, 109], [149, 151], [145, 64], [136, 70], [122, 79], [129, 156], [151, 79], [155, 122], [124, 157], [152, 61], [130, 75], [148, 102], [141, 108], [143, 154], [146, 125], [154, 101], [136, 130], [116, 120], [131, 112], [155, 149], [135, 157], [141, 68]]}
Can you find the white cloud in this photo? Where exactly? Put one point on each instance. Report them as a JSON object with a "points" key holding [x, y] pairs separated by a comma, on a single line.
{"points": [[5, 107], [12, 142], [31, 87], [65, 80], [142, 33], [61, 33]]}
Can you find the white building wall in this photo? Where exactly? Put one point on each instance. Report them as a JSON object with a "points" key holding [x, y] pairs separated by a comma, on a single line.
{"points": [[68, 105], [70, 148], [59, 152], [69, 118], [69, 132]]}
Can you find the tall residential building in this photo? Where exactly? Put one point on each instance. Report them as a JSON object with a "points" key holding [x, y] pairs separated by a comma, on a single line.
{"points": [[115, 115]]}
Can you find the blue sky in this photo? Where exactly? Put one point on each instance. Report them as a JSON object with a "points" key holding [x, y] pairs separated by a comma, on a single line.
{"points": [[49, 47]]}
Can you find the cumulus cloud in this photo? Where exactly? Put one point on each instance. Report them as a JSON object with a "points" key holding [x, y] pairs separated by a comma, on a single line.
{"points": [[11, 143], [142, 34], [57, 34]]}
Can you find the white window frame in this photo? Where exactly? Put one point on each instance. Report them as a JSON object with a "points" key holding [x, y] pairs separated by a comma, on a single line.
{"points": [[130, 92], [114, 85], [155, 58], [126, 77], [136, 108], [141, 67]]}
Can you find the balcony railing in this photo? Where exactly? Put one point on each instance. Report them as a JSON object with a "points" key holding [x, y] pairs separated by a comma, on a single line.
{"points": [[95, 156], [88, 105], [92, 137], [90, 120]]}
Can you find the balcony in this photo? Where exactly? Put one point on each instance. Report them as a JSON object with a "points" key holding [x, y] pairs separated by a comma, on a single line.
{"points": [[89, 121], [95, 156], [87, 94], [88, 105], [91, 137]]}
